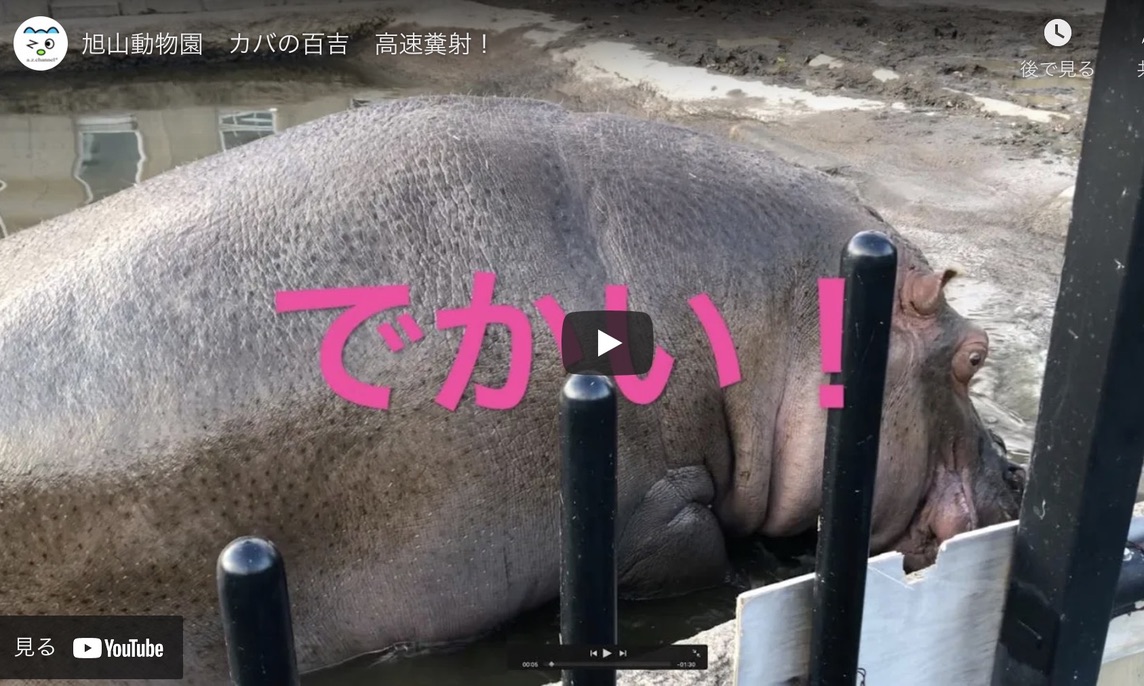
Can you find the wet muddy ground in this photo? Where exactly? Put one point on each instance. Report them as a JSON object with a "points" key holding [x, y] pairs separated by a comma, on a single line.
{"points": [[970, 157], [925, 56]]}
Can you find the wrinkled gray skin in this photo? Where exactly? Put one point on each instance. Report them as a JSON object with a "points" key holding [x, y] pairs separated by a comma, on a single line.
{"points": [[155, 406]]}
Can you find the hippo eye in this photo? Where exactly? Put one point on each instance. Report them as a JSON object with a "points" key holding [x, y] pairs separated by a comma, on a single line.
{"points": [[968, 360]]}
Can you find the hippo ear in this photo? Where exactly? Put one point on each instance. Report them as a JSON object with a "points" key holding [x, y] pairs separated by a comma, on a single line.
{"points": [[922, 291]]}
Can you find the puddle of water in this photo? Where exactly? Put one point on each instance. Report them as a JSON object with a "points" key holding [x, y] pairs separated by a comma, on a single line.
{"points": [[622, 64], [1009, 109], [485, 664], [640, 623], [77, 145]]}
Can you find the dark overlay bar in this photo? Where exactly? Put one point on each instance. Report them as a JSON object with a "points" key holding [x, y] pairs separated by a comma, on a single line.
{"points": [[87, 647], [545, 657]]}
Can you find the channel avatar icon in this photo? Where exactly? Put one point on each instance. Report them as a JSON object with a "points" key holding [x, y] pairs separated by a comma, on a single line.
{"points": [[40, 43]]}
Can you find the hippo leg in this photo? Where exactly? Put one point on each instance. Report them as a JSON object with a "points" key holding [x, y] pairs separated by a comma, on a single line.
{"points": [[674, 522]]}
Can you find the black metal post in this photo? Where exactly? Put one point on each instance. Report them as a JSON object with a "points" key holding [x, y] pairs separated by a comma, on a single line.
{"points": [[1086, 462], [588, 439], [869, 265], [256, 614]]}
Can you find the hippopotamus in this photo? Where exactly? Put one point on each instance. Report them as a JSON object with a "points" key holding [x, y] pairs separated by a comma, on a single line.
{"points": [[157, 405]]}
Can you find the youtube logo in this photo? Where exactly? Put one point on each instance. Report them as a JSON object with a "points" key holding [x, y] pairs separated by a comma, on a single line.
{"points": [[87, 648], [607, 342]]}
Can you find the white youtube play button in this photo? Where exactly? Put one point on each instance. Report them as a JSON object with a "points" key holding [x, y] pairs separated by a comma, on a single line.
{"points": [[604, 343], [607, 342], [87, 648]]}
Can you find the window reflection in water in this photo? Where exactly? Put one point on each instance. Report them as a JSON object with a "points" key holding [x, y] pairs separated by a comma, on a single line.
{"points": [[110, 155], [240, 128]]}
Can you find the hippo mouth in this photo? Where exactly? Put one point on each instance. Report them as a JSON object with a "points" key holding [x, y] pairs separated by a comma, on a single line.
{"points": [[920, 557], [951, 507], [946, 511]]}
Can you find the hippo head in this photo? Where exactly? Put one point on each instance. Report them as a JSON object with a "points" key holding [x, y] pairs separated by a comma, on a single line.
{"points": [[941, 471]]}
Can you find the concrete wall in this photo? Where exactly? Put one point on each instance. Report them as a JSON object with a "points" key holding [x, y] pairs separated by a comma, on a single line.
{"points": [[19, 10], [39, 153]]}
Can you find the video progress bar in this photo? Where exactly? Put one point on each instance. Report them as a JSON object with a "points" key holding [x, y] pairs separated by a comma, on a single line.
{"points": [[612, 658], [617, 666]]}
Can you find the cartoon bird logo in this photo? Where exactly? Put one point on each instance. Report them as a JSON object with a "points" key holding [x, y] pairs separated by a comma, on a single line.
{"points": [[46, 43], [40, 43]]}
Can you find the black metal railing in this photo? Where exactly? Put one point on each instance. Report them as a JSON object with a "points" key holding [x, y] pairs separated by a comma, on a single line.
{"points": [[256, 614], [870, 268], [589, 441], [1068, 557]]}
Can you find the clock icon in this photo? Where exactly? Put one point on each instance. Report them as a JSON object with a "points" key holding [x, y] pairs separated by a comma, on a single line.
{"points": [[1058, 32]]}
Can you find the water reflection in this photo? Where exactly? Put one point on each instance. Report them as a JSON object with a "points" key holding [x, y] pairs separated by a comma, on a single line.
{"points": [[51, 164], [111, 155], [239, 128]]}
